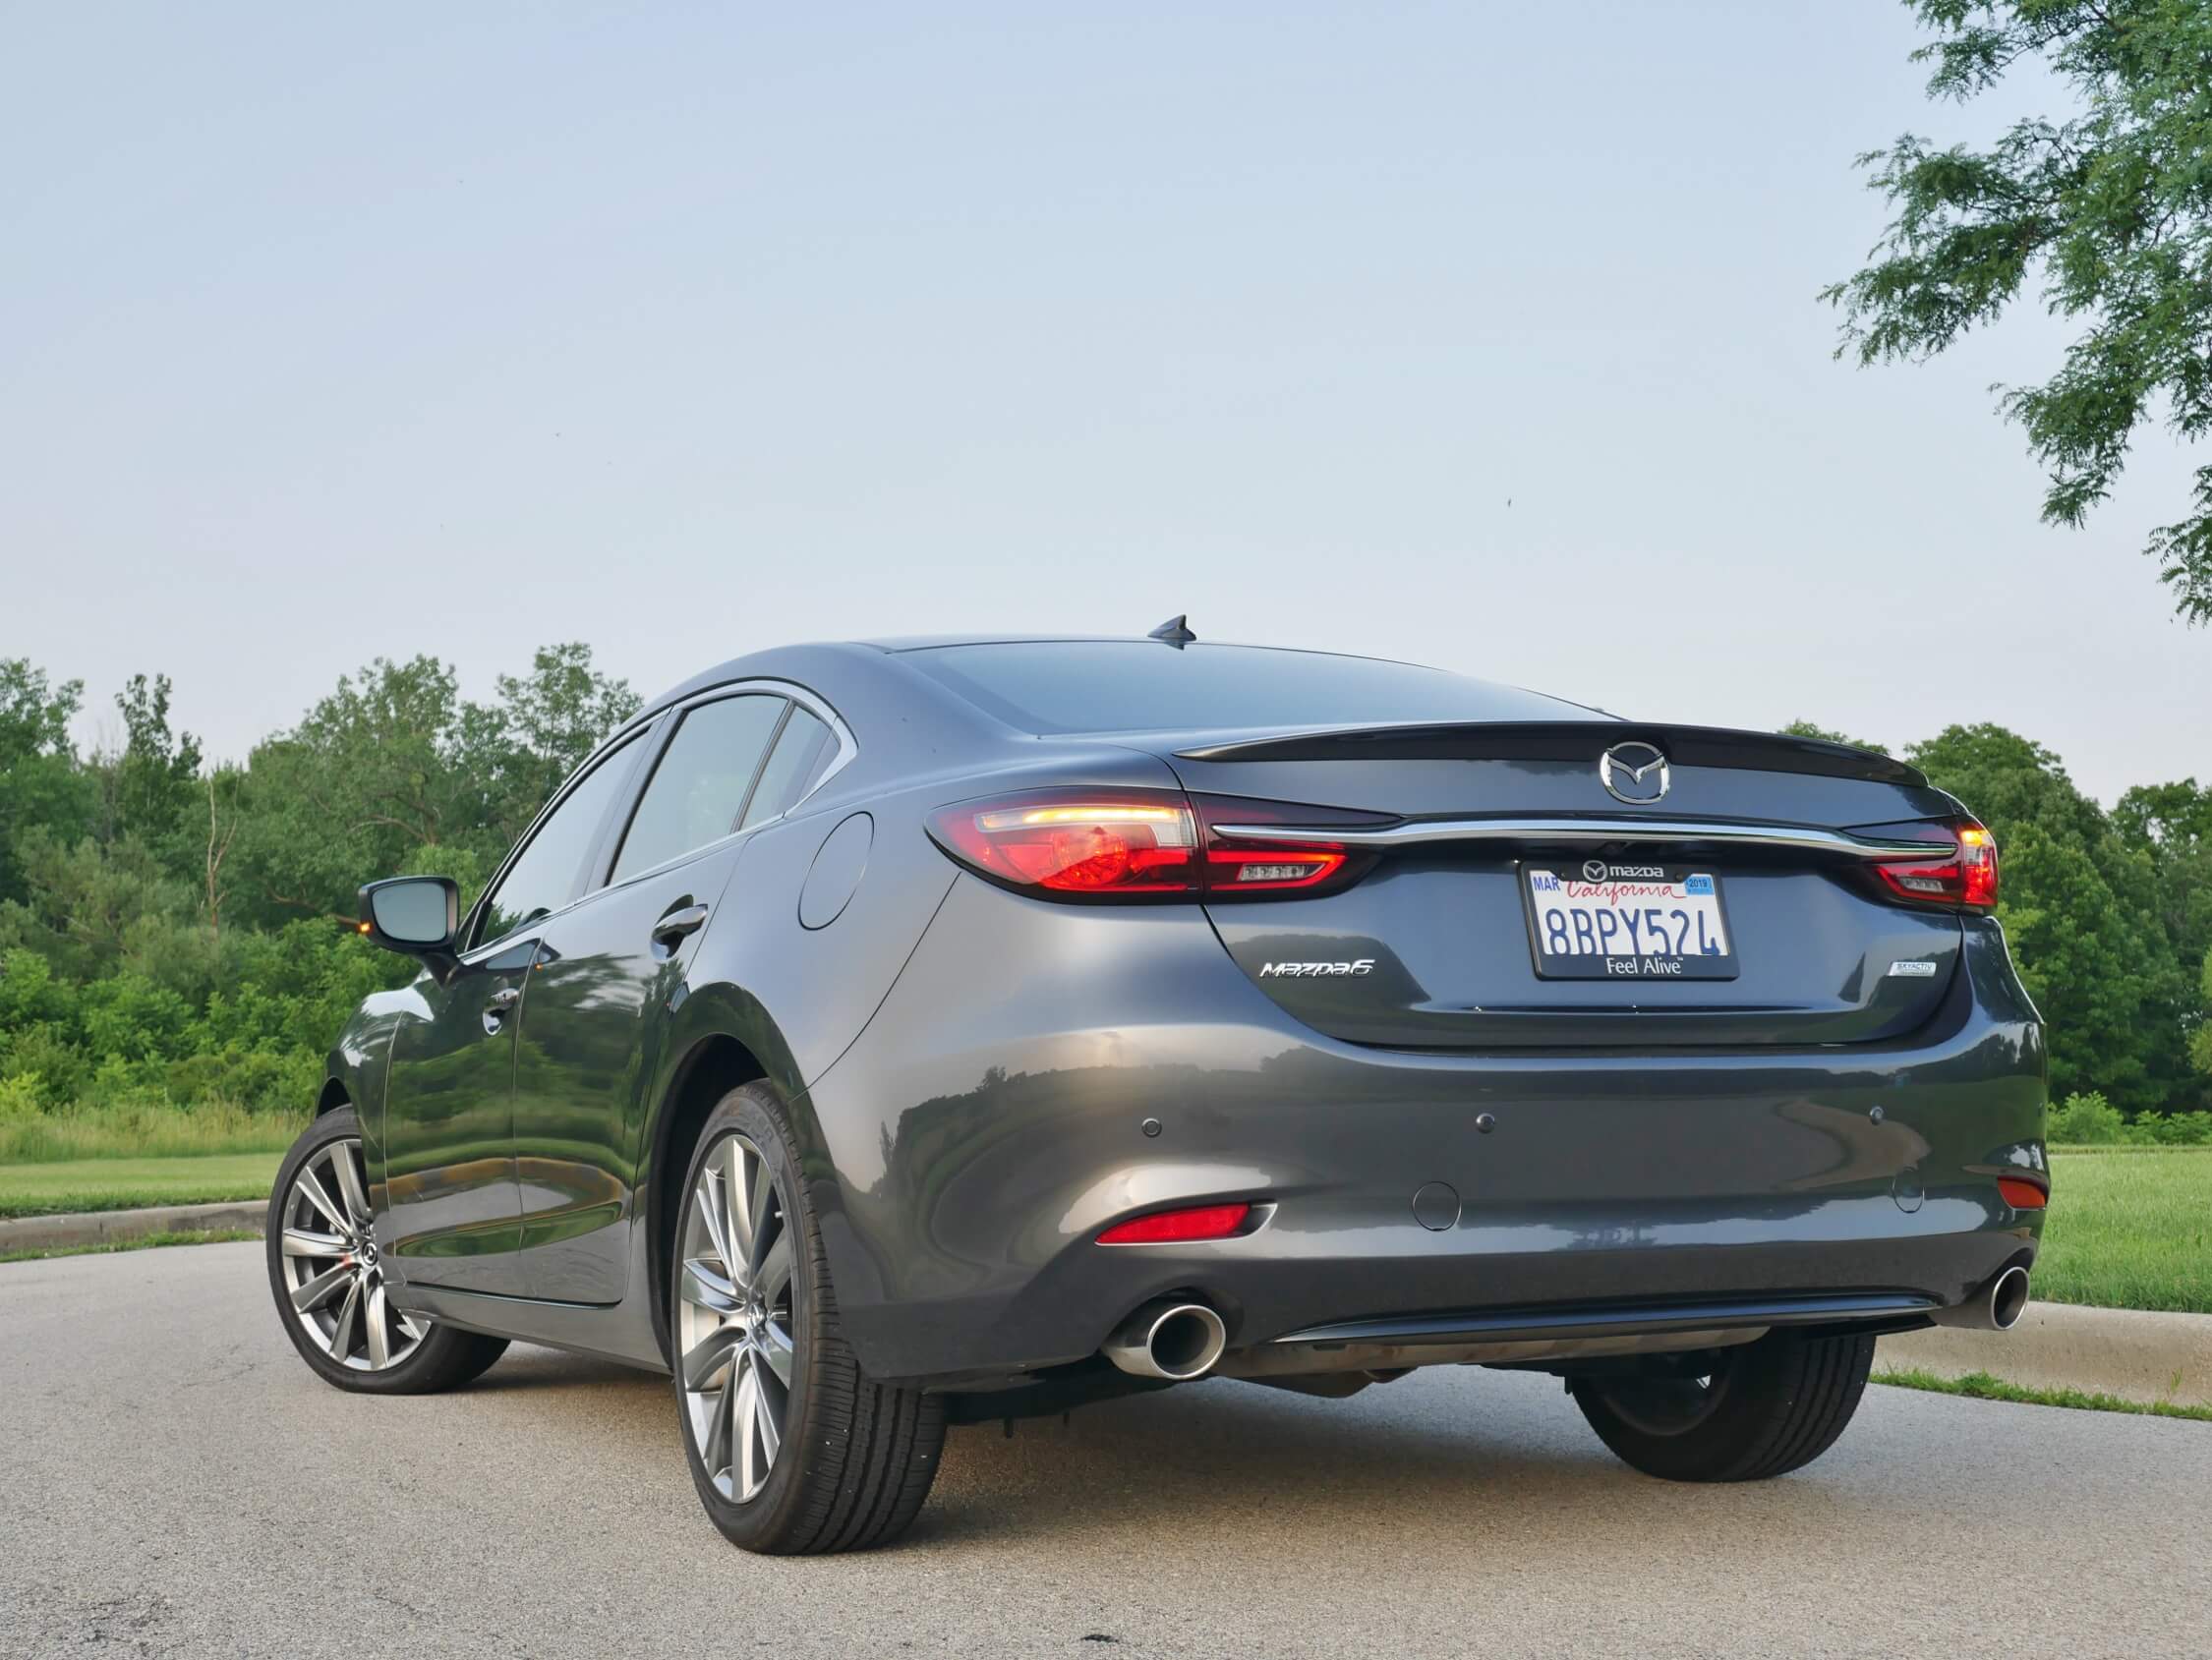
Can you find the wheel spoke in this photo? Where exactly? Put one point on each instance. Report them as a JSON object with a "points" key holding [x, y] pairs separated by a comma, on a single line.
{"points": [[379, 1338], [776, 1348], [709, 1356], [712, 1212], [738, 1207], [775, 1276], [341, 1334], [349, 1181], [763, 1214], [311, 1191], [407, 1326], [716, 1454], [703, 1288], [323, 1287], [745, 1412], [764, 1417], [298, 1242]]}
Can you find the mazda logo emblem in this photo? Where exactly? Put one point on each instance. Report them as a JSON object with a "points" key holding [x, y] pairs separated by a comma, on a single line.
{"points": [[1634, 773], [1593, 869]]}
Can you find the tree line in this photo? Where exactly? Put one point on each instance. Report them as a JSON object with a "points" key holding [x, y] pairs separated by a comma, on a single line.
{"points": [[174, 931]]}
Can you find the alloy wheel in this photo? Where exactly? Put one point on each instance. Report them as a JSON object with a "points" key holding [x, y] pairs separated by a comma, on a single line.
{"points": [[1673, 1405], [735, 1331], [333, 1275]]}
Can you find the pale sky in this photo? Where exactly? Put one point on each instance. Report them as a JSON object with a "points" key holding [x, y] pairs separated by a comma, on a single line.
{"points": [[1479, 335]]}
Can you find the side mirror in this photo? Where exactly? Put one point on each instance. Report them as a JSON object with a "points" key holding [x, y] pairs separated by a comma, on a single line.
{"points": [[420, 915]]}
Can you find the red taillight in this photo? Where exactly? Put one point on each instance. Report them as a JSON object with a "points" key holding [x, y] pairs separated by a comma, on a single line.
{"points": [[1964, 872], [2023, 1194], [1166, 1228], [1099, 843], [1139, 844]]}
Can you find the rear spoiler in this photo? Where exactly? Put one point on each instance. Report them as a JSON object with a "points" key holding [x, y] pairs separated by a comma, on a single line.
{"points": [[1570, 741]]}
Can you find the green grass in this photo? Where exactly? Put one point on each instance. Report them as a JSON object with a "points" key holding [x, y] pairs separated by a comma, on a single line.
{"points": [[2129, 1227], [121, 1184], [1980, 1386], [2124, 1147], [186, 1236], [144, 1130]]}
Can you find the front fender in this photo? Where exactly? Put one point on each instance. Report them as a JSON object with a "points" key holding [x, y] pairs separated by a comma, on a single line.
{"points": [[357, 1068]]}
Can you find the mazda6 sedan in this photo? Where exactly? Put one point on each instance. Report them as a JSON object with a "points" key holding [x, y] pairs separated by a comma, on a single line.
{"points": [[877, 1037]]}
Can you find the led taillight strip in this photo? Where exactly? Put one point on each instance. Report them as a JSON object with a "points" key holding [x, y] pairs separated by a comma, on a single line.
{"points": [[1111, 845]]}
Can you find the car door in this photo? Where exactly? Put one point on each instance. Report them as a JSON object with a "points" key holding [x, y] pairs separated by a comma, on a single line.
{"points": [[607, 969], [452, 1202]]}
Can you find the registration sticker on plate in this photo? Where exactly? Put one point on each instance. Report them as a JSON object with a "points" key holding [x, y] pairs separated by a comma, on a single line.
{"points": [[1627, 922]]}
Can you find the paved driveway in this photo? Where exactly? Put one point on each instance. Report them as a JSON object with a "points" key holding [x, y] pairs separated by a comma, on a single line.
{"points": [[176, 1482]]}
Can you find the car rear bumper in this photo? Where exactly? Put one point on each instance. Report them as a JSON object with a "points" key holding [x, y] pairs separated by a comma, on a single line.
{"points": [[1040, 1071]]}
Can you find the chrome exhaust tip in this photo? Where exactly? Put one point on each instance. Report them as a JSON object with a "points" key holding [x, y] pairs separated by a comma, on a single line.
{"points": [[2008, 1298], [1174, 1341], [1996, 1307]]}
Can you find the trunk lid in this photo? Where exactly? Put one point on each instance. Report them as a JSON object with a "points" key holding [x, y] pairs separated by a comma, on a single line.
{"points": [[1432, 949]]}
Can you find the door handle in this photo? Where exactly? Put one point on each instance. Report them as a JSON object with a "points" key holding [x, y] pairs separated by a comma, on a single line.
{"points": [[672, 928], [497, 1006]]}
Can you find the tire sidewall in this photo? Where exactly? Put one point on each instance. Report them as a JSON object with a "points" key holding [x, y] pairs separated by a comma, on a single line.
{"points": [[751, 1112]]}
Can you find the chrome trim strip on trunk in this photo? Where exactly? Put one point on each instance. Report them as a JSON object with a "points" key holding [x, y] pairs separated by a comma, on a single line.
{"points": [[1594, 833]]}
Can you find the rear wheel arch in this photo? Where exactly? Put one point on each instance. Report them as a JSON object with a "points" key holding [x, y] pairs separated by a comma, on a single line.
{"points": [[713, 1063], [334, 1097]]}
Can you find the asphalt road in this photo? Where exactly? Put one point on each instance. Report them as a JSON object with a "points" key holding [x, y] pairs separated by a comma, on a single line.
{"points": [[173, 1481]]}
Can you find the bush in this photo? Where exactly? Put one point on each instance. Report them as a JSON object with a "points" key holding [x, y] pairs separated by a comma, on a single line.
{"points": [[262, 1080], [2087, 1120], [2090, 1121], [19, 1099], [43, 1054]]}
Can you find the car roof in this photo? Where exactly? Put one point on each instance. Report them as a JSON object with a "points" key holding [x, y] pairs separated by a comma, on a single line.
{"points": [[793, 662]]}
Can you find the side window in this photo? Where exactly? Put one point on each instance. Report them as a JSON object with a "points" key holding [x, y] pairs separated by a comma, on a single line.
{"points": [[545, 878], [800, 754], [700, 784]]}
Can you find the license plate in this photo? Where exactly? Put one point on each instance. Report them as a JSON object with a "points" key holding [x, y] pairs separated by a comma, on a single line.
{"points": [[1626, 922]]}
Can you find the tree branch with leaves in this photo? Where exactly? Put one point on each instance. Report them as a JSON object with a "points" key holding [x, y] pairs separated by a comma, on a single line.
{"points": [[2108, 213]]}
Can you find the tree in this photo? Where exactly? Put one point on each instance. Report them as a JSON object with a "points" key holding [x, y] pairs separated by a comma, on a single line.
{"points": [[156, 778], [2200, 1040], [546, 723], [2172, 823], [1807, 729], [395, 773], [40, 784], [349, 793], [2109, 212], [2080, 909]]}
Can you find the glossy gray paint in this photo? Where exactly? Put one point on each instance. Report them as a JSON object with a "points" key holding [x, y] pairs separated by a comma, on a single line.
{"points": [[970, 1069]]}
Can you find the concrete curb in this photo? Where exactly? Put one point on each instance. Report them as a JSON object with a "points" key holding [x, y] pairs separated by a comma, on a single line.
{"points": [[103, 1227], [2123, 1352]]}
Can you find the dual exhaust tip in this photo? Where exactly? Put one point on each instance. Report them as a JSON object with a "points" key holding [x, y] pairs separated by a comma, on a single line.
{"points": [[1996, 1307], [1170, 1340]]}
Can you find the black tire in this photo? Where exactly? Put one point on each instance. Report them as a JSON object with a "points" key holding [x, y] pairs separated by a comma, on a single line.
{"points": [[856, 1456], [442, 1359], [1759, 1411]]}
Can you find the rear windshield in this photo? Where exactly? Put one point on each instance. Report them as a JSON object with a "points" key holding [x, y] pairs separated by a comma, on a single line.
{"points": [[1141, 686]]}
